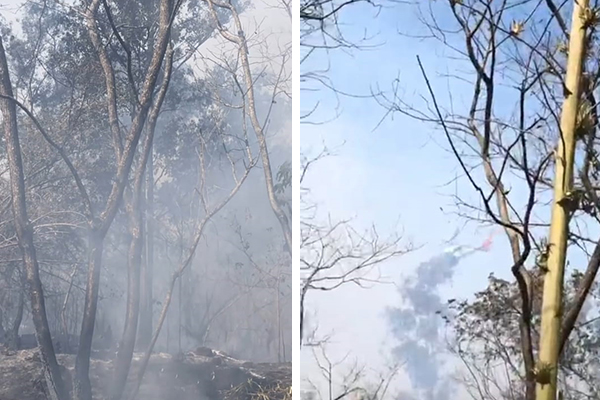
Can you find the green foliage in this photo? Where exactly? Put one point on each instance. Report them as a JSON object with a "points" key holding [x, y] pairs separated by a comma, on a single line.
{"points": [[486, 333], [284, 177]]}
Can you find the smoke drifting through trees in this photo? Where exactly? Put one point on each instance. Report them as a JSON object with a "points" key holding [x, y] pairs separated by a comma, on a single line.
{"points": [[193, 197]]}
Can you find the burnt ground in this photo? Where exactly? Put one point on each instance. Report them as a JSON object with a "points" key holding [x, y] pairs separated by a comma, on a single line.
{"points": [[198, 375]]}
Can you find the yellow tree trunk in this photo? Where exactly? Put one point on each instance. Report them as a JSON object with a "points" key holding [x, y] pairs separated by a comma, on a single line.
{"points": [[565, 153]]}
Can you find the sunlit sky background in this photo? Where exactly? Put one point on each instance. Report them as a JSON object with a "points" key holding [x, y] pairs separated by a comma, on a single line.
{"points": [[395, 176]]}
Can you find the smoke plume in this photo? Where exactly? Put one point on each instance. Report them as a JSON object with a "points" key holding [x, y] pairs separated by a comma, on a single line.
{"points": [[417, 326]]}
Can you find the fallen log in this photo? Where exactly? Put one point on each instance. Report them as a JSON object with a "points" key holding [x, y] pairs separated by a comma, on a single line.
{"points": [[190, 376]]}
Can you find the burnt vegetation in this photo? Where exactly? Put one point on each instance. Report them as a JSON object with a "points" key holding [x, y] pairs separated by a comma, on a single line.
{"points": [[144, 200]]}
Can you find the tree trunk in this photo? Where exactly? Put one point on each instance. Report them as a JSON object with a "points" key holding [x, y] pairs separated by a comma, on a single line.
{"points": [[56, 387], [2, 331], [136, 228], [177, 275], [100, 226], [145, 327], [127, 343], [82, 388], [279, 330], [240, 40], [565, 154], [13, 334]]}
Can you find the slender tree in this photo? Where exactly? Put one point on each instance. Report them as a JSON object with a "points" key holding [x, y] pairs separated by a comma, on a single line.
{"points": [[54, 380], [136, 230], [531, 43], [241, 42]]}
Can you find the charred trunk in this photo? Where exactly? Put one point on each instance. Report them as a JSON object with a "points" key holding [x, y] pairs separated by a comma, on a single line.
{"points": [[127, 343], [24, 230], [82, 389], [13, 334]]}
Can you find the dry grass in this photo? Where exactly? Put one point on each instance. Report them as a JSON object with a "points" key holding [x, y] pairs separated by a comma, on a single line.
{"points": [[253, 390], [21, 378], [271, 382]]}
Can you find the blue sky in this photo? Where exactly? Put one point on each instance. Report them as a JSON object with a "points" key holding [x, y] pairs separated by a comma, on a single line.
{"points": [[395, 177]]}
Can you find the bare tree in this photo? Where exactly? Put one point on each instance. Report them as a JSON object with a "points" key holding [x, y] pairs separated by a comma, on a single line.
{"points": [[515, 54], [333, 253], [136, 225], [24, 229], [125, 155], [209, 211], [79, 132], [352, 384], [99, 223], [241, 43]]}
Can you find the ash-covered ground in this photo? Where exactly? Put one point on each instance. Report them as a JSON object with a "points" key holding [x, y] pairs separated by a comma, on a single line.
{"points": [[203, 374]]}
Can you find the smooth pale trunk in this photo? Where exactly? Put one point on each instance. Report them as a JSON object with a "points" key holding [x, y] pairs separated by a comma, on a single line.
{"points": [[565, 153]]}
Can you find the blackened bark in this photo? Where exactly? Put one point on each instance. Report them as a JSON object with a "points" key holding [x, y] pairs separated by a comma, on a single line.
{"points": [[82, 388], [2, 331], [127, 343], [24, 229], [242, 44], [99, 228], [177, 274], [136, 230], [13, 333]]}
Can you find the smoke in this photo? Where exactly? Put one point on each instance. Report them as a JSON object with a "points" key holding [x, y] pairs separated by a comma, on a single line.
{"points": [[418, 327], [236, 294]]}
